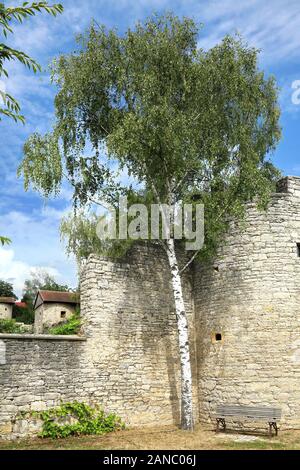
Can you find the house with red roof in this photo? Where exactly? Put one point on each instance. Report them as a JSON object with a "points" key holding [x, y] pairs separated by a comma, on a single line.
{"points": [[53, 307]]}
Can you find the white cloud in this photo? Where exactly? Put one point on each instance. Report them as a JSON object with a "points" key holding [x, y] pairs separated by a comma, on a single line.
{"points": [[15, 271], [54, 214], [34, 35], [271, 26], [35, 243]]}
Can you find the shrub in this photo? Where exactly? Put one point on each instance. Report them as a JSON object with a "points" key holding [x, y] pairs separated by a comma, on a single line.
{"points": [[88, 420], [23, 315], [69, 327], [10, 326]]}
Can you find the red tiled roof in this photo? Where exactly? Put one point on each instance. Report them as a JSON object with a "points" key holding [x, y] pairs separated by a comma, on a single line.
{"points": [[7, 300], [21, 304], [61, 297]]}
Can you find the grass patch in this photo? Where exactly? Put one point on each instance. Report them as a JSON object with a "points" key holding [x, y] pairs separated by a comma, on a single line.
{"points": [[69, 327], [255, 445], [159, 438]]}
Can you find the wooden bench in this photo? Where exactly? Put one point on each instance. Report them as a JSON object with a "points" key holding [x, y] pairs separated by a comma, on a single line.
{"points": [[252, 413]]}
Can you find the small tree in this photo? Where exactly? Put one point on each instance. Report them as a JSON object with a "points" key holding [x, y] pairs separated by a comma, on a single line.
{"points": [[6, 289], [23, 314], [40, 280], [187, 124]]}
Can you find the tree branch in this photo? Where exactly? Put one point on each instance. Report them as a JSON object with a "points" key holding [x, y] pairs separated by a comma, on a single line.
{"points": [[198, 251], [189, 262]]}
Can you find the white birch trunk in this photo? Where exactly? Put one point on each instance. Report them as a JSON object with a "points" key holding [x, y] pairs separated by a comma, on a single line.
{"points": [[184, 350]]}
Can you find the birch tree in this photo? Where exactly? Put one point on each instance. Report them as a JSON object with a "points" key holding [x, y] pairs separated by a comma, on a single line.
{"points": [[187, 124]]}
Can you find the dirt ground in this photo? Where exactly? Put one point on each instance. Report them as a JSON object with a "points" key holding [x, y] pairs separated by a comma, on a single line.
{"points": [[164, 438]]}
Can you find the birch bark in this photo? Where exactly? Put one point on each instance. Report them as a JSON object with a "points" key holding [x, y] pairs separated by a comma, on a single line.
{"points": [[184, 349]]}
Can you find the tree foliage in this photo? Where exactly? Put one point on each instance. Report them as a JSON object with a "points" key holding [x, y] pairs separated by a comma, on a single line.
{"points": [[7, 16], [79, 232], [40, 280], [4, 240], [6, 289], [23, 314], [195, 124]]}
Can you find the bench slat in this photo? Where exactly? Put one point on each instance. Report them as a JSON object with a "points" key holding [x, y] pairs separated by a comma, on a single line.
{"points": [[250, 412], [256, 413], [248, 418]]}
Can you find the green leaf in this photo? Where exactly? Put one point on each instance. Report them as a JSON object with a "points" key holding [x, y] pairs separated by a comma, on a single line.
{"points": [[7, 15], [4, 240]]}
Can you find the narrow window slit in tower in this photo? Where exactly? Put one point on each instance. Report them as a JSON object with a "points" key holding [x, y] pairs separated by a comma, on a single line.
{"points": [[298, 250], [218, 337]]}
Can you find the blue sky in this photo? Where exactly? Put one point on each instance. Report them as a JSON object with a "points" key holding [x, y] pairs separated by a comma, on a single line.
{"points": [[271, 25]]}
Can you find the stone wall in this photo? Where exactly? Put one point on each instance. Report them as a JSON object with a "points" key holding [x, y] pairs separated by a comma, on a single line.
{"points": [[37, 372], [6, 311], [128, 361], [131, 328], [250, 294]]}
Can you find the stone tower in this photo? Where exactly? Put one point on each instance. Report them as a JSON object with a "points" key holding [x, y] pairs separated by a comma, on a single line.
{"points": [[244, 316], [247, 312]]}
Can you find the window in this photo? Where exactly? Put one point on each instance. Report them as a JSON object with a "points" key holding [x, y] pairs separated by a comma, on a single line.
{"points": [[217, 337], [298, 250], [63, 314]]}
